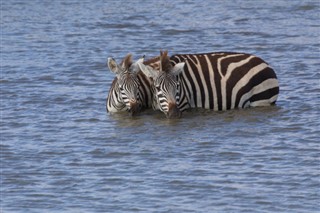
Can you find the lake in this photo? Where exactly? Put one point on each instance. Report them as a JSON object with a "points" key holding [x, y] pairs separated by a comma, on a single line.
{"points": [[62, 152]]}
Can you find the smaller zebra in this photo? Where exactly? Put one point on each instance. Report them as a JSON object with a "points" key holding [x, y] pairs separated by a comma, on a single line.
{"points": [[130, 90], [217, 81]]}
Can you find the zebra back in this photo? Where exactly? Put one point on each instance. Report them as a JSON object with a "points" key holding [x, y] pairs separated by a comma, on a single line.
{"points": [[226, 80], [217, 81]]}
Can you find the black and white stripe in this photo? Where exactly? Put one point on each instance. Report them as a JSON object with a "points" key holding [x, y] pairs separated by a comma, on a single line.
{"points": [[217, 81], [130, 90]]}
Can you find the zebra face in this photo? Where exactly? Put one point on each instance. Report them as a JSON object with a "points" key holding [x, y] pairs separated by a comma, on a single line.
{"points": [[127, 85], [129, 91], [168, 94], [166, 88]]}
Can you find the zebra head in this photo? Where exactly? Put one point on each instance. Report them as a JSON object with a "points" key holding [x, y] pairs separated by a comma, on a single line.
{"points": [[166, 86], [127, 84]]}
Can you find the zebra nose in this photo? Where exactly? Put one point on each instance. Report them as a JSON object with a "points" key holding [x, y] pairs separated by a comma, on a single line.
{"points": [[134, 107], [132, 103], [173, 111]]}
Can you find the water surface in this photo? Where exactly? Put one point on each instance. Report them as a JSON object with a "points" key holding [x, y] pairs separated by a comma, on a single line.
{"points": [[61, 151]]}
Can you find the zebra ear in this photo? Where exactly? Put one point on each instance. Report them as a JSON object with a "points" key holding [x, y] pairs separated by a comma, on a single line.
{"points": [[113, 66], [135, 67], [148, 71], [141, 60], [178, 68]]}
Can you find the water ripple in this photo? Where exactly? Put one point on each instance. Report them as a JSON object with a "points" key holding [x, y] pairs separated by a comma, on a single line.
{"points": [[61, 151]]}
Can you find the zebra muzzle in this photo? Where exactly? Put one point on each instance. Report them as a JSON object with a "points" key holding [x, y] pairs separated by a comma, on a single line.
{"points": [[173, 111], [133, 108]]}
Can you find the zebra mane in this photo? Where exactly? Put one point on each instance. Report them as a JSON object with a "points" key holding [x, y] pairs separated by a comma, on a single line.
{"points": [[152, 60], [165, 64], [127, 61]]}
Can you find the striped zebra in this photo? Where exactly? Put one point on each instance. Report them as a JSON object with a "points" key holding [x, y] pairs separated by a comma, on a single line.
{"points": [[130, 90], [217, 81]]}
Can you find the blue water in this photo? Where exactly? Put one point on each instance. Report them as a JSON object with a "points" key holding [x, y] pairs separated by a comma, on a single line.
{"points": [[61, 151]]}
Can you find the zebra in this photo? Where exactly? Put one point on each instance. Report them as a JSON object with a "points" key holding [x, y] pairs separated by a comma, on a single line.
{"points": [[218, 81], [130, 89]]}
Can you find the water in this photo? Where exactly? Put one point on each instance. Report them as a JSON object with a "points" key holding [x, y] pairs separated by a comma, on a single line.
{"points": [[61, 151]]}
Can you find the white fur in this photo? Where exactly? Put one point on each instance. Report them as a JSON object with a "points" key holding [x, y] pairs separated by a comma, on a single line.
{"points": [[135, 66], [178, 68], [148, 71]]}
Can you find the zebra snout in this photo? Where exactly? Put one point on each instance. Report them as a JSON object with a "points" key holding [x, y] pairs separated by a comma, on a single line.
{"points": [[173, 111], [133, 103], [134, 107]]}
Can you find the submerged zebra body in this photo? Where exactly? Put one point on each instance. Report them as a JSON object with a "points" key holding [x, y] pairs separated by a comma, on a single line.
{"points": [[130, 90], [217, 81]]}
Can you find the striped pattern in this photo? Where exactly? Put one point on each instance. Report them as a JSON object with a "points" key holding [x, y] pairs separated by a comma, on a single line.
{"points": [[219, 81], [222, 81], [130, 90], [167, 91], [117, 99]]}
